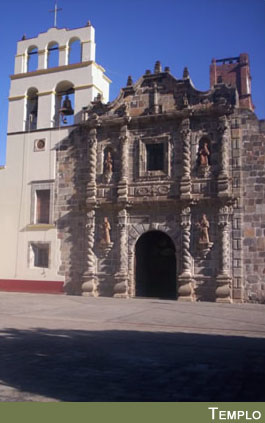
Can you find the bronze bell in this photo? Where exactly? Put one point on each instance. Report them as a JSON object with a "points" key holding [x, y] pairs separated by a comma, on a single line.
{"points": [[34, 107], [67, 110]]}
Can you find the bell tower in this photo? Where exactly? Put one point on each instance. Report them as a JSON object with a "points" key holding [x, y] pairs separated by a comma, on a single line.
{"points": [[55, 77], [53, 80]]}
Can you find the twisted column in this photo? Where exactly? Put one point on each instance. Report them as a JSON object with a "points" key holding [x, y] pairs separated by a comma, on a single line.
{"points": [[185, 183], [224, 268], [123, 183], [92, 164], [185, 278], [89, 285], [186, 257], [121, 277], [222, 179], [223, 289], [123, 249]]}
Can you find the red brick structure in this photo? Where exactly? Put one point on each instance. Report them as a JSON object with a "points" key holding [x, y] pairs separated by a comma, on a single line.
{"points": [[234, 71]]}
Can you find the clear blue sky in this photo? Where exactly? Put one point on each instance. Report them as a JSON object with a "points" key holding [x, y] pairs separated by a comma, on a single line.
{"points": [[132, 34]]}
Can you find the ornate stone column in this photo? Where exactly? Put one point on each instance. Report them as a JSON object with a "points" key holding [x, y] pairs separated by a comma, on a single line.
{"points": [[223, 177], [121, 277], [123, 183], [185, 278], [89, 285], [185, 183], [223, 289], [131, 283], [92, 165]]}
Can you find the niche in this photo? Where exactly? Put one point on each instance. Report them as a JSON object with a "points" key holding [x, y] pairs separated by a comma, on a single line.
{"points": [[203, 163]]}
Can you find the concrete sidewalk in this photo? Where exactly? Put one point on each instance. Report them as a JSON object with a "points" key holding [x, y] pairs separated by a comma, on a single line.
{"points": [[66, 348], [24, 311]]}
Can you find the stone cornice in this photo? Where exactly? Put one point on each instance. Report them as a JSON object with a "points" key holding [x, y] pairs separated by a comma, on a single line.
{"points": [[112, 120]]}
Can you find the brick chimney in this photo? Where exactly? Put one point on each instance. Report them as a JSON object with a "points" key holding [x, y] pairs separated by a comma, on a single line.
{"points": [[234, 71]]}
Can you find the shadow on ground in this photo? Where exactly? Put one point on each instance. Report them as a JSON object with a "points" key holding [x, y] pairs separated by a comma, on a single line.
{"points": [[115, 365]]}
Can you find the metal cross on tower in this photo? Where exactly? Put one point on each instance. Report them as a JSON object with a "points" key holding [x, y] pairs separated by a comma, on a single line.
{"points": [[55, 10]]}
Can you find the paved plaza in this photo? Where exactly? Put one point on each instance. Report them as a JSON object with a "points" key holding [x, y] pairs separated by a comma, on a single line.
{"points": [[67, 348]]}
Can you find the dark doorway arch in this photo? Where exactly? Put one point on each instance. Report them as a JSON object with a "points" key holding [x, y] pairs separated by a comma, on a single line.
{"points": [[155, 266]]}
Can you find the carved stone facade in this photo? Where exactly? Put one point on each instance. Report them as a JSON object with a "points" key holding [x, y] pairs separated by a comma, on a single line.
{"points": [[176, 197]]}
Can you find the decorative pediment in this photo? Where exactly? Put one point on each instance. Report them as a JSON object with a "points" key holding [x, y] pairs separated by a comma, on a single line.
{"points": [[160, 93]]}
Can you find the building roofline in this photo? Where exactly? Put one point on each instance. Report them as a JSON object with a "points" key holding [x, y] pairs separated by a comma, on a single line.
{"points": [[59, 29]]}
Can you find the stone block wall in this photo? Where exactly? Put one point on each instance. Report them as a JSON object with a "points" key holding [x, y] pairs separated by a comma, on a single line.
{"points": [[253, 203], [69, 209]]}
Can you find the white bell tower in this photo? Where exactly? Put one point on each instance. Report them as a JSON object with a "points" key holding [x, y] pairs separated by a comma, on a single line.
{"points": [[85, 78], [48, 90]]}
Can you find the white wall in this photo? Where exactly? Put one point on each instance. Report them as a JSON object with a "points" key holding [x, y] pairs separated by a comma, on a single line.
{"points": [[89, 79], [24, 166]]}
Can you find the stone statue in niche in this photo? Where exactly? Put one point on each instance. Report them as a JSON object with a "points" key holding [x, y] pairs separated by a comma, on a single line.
{"points": [[106, 232], [204, 159], [204, 154], [108, 167], [204, 243], [105, 243], [204, 227], [108, 162]]}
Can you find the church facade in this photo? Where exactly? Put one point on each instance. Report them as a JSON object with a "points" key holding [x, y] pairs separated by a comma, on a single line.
{"points": [[163, 192], [159, 193]]}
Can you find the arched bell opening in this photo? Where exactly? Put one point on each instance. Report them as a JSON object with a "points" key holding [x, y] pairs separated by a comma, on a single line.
{"points": [[155, 257], [32, 59], [52, 55], [75, 52], [31, 109], [64, 104]]}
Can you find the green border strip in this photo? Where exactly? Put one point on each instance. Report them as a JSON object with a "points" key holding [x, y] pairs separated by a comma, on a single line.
{"points": [[128, 412]]}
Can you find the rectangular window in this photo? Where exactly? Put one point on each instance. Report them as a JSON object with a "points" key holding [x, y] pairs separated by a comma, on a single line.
{"points": [[43, 206], [155, 156], [42, 203], [39, 255]]}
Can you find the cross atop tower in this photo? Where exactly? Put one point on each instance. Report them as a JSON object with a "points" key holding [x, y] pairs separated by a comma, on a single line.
{"points": [[55, 10]]}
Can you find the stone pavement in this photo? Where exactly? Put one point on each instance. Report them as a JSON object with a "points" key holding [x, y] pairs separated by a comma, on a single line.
{"points": [[66, 348]]}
